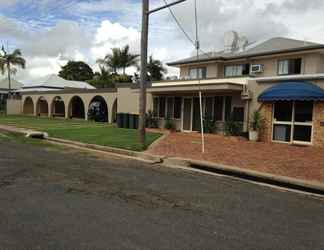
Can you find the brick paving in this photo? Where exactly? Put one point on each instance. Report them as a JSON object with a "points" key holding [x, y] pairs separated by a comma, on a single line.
{"points": [[306, 163]]}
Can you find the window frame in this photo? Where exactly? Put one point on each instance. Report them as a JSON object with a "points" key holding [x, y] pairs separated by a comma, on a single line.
{"points": [[243, 65], [292, 124], [203, 73], [289, 60]]}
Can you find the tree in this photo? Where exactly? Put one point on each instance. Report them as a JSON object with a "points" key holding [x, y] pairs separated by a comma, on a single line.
{"points": [[120, 58], [127, 59], [76, 71], [112, 61], [7, 60], [156, 69]]}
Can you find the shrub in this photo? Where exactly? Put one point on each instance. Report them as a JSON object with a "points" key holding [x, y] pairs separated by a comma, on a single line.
{"points": [[256, 120], [232, 127], [209, 126], [169, 125], [151, 121]]}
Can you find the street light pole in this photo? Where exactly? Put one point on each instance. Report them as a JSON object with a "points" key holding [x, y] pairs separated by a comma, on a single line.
{"points": [[143, 78]]}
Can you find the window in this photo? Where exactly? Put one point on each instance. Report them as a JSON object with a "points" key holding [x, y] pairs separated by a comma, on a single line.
{"points": [[238, 114], [167, 107], [177, 107], [209, 108], [170, 107], [293, 121], [202, 73], [155, 106], [289, 66], [228, 107], [162, 107], [237, 70], [283, 111], [218, 108]]}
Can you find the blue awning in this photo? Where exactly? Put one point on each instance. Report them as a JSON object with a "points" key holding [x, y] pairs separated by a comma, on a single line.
{"points": [[293, 91]]}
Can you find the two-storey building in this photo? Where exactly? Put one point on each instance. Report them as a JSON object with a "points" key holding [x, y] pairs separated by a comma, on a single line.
{"points": [[282, 78]]}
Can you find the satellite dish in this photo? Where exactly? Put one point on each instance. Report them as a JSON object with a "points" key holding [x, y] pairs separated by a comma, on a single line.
{"points": [[230, 41]]}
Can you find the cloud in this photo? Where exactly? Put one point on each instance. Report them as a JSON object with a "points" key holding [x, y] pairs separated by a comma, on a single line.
{"points": [[7, 2], [110, 35], [64, 38], [89, 29]]}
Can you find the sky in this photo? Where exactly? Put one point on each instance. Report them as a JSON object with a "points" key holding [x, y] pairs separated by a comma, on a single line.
{"points": [[51, 32]]}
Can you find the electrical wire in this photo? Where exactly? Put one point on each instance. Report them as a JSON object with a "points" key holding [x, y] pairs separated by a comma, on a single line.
{"points": [[183, 30]]}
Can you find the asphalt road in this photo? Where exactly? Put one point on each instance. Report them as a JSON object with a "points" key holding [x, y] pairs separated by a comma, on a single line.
{"points": [[62, 199]]}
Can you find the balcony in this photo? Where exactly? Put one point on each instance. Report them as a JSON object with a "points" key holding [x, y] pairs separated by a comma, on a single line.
{"points": [[209, 84]]}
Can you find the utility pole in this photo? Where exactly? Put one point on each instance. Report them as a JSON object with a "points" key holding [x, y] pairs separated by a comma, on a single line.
{"points": [[143, 79]]}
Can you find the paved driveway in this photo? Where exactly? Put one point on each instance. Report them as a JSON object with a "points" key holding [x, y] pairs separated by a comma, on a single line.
{"points": [[54, 199], [306, 163]]}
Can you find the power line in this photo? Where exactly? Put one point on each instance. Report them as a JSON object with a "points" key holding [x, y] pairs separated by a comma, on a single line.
{"points": [[183, 30]]}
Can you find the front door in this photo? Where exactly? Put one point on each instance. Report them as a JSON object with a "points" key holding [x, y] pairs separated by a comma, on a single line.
{"points": [[187, 114]]}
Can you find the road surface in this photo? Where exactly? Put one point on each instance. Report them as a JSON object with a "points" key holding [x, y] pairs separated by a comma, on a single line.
{"points": [[52, 198]]}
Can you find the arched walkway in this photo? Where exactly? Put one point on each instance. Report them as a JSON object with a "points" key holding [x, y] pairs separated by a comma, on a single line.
{"points": [[114, 112], [42, 107], [76, 108], [98, 109], [58, 107], [28, 108]]}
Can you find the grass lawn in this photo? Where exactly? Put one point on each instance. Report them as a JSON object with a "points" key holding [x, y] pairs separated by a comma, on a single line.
{"points": [[82, 131]]}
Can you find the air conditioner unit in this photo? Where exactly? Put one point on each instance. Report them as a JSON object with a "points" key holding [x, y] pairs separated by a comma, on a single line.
{"points": [[256, 68]]}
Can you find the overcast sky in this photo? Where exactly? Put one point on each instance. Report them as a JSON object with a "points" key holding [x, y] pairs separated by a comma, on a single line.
{"points": [[50, 32]]}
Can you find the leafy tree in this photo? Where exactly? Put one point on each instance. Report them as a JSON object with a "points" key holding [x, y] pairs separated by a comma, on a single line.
{"points": [[120, 58], [155, 69], [76, 71], [102, 79], [127, 59], [8, 60], [111, 61]]}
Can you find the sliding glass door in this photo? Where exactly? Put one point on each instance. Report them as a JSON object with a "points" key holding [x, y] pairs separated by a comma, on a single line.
{"points": [[293, 122]]}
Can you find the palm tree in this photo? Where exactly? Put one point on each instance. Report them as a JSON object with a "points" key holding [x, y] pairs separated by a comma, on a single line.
{"points": [[8, 60], [112, 61], [127, 59], [156, 69]]}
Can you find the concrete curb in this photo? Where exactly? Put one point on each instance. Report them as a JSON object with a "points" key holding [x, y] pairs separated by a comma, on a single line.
{"points": [[261, 177], [118, 151], [144, 156], [251, 175]]}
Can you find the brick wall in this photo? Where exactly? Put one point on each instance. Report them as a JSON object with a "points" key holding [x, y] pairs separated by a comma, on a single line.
{"points": [[318, 133], [266, 125], [318, 130]]}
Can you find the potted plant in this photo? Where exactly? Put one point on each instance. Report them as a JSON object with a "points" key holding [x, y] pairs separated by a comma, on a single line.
{"points": [[255, 126], [169, 125]]}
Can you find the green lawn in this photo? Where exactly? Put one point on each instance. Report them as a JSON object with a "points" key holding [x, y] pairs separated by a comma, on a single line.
{"points": [[82, 131]]}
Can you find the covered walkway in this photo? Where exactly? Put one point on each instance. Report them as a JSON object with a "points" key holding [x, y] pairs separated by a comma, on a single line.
{"points": [[70, 103]]}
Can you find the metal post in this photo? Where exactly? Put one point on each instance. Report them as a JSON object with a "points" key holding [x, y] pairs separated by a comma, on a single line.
{"points": [[200, 95]]}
